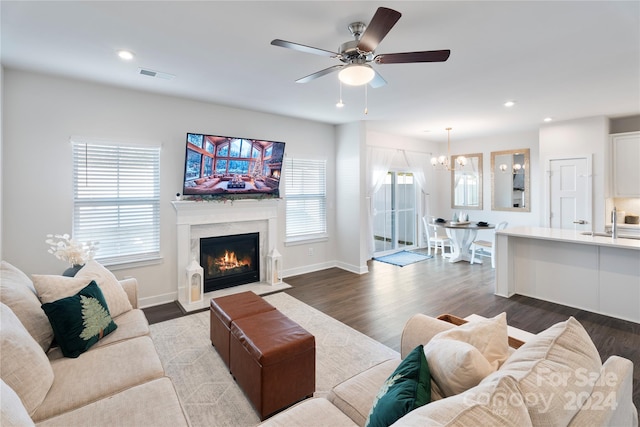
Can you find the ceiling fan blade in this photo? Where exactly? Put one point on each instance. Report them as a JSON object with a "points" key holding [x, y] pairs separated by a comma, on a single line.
{"points": [[378, 81], [407, 57], [383, 20], [303, 48], [320, 73]]}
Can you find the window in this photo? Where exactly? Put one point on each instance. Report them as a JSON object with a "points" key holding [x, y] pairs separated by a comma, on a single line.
{"points": [[305, 194], [116, 199], [394, 213]]}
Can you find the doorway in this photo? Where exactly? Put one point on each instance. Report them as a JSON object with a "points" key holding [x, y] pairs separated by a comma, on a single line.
{"points": [[394, 214], [570, 190]]}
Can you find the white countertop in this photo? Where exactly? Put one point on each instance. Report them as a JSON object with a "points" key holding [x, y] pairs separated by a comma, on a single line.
{"points": [[569, 236]]}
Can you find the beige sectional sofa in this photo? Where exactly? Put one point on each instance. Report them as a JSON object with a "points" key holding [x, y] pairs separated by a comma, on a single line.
{"points": [[555, 379], [118, 381]]}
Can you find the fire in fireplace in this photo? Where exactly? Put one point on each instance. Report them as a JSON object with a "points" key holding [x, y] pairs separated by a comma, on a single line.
{"points": [[230, 260]]}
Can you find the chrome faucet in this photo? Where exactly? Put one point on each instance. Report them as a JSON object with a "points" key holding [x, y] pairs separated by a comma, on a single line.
{"points": [[614, 223]]}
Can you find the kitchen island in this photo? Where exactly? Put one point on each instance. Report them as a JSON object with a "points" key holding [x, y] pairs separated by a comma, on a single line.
{"points": [[595, 273]]}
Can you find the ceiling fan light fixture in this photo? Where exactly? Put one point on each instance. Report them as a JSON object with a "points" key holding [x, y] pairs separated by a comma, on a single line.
{"points": [[356, 74], [125, 55]]}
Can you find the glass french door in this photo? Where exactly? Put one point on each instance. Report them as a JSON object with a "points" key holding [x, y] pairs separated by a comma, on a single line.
{"points": [[394, 214]]}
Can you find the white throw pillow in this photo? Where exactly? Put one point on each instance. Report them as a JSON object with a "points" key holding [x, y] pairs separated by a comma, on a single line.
{"points": [[489, 336], [24, 366], [52, 287], [111, 288], [17, 292], [455, 366], [555, 370]]}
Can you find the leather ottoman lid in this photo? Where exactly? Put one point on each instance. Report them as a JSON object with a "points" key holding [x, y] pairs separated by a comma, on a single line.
{"points": [[239, 305], [272, 337]]}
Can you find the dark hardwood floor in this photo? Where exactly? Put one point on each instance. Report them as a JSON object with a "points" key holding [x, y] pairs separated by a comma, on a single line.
{"points": [[379, 303]]}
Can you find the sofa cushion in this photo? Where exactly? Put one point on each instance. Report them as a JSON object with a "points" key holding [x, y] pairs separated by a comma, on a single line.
{"points": [[23, 365], [551, 369], [12, 411], [455, 366], [80, 320], [131, 324], [307, 413], [496, 403], [52, 287], [489, 336], [17, 292], [406, 389], [355, 395], [99, 374], [154, 403]]}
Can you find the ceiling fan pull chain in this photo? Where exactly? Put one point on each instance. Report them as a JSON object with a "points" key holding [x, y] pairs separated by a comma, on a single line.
{"points": [[366, 101]]}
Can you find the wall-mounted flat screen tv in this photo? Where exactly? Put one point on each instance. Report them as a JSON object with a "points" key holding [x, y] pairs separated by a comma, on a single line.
{"points": [[229, 166]]}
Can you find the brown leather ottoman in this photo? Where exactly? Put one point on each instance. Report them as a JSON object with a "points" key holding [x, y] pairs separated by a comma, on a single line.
{"points": [[224, 310], [273, 360]]}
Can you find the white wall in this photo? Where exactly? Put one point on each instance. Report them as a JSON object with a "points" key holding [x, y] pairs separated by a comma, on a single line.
{"points": [[40, 114], [582, 137], [1, 167], [351, 197]]}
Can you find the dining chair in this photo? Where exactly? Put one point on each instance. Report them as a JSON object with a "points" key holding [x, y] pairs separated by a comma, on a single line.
{"points": [[485, 247], [436, 238]]}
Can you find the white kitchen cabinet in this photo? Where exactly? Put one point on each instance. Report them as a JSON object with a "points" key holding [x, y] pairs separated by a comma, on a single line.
{"points": [[625, 165]]}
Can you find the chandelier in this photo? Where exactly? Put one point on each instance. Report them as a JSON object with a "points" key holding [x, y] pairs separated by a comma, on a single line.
{"points": [[445, 161]]}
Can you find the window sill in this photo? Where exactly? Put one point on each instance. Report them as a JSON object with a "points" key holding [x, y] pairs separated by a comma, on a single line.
{"points": [[302, 240], [123, 265]]}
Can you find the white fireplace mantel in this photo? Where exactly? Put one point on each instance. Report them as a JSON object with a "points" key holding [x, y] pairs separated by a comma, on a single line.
{"points": [[198, 219]]}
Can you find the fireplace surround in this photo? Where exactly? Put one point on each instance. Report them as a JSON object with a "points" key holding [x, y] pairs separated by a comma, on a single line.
{"points": [[196, 220]]}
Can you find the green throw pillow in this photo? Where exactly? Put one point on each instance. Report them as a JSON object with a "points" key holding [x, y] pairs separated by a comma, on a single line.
{"points": [[80, 321], [408, 388]]}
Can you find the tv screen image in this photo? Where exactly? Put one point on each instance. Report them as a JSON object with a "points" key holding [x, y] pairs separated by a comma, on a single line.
{"points": [[230, 166]]}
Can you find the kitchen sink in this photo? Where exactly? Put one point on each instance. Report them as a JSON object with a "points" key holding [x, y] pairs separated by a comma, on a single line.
{"points": [[623, 236]]}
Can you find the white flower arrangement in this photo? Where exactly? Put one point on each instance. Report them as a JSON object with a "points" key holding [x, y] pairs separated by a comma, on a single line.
{"points": [[67, 249]]}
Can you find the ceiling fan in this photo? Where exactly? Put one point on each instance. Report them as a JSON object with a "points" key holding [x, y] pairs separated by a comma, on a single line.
{"points": [[357, 54]]}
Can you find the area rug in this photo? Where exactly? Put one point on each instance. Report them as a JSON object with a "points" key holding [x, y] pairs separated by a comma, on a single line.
{"points": [[403, 258], [208, 392]]}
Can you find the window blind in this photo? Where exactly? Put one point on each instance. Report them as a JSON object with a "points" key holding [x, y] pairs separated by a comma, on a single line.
{"points": [[116, 200], [305, 192]]}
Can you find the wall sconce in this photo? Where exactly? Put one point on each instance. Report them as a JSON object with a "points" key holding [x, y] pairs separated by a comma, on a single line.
{"points": [[274, 267], [503, 167], [195, 282]]}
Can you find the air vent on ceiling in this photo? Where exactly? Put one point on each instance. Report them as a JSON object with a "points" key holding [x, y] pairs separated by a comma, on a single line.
{"points": [[158, 74]]}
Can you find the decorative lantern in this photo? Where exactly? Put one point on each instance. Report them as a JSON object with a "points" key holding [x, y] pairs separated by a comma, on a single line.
{"points": [[274, 267], [195, 275]]}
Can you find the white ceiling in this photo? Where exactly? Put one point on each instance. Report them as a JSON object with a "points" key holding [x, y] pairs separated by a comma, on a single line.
{"points": [[562, 59]]}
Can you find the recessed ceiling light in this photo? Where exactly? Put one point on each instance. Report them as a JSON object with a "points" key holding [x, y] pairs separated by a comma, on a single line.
{"points": [[126, 55], [547, 119], [510, 103]]}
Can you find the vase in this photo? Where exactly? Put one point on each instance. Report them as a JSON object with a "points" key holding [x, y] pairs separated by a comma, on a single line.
{"points": [[71, 271]]}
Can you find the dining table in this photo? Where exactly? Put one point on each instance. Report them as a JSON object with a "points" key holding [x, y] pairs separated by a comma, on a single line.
{"points": [[462, 235]]}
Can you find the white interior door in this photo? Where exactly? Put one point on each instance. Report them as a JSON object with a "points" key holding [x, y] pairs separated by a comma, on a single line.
{"points": [[570, 194]]}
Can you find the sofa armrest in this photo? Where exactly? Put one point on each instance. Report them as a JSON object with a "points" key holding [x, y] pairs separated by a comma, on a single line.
{"points": [[611, 400], [130, 286], [419, 330]]}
